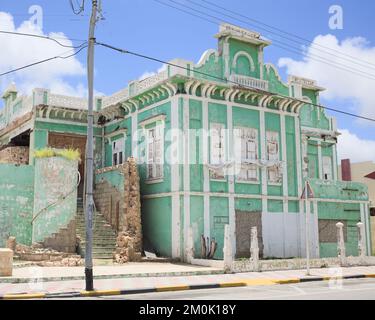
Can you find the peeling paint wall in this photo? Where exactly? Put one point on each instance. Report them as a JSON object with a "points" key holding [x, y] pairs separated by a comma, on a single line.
{"points": [[55, 178], [16, 202]]}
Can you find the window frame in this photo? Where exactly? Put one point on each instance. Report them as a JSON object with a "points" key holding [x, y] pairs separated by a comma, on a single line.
{"points": [[244, 135], [157, 169], [270, 135], [120, 150]]}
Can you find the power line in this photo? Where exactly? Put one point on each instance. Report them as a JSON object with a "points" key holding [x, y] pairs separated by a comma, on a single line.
{"points": [[42, 61], [353, 59], [80, 9], [229, 81], [310, 55], [43, 37]]}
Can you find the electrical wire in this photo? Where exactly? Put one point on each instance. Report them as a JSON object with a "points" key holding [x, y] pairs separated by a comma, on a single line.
{"points": [[42, 61], [43, 37], [81, 7], [312, 56], [286, 32], [230, 81]]}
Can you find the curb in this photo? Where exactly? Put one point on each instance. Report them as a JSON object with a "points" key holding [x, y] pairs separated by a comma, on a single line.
{"points": [[245, 283], [113, 276]]}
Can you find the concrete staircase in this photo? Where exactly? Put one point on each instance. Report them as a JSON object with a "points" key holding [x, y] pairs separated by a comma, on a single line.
{"points": [[104, 238]]}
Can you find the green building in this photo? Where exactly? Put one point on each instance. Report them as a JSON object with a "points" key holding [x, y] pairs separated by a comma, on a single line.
{"points": [[223, 141]]}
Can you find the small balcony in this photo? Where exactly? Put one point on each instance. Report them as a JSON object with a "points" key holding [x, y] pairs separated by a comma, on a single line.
{"points": [[249, 82]]}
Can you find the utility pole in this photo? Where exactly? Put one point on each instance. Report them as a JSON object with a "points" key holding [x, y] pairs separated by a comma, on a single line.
{"points": [[307, 212], [90, 151]]}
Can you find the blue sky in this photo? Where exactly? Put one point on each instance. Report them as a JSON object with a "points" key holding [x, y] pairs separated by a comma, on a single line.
{"points": [[153, 29]]}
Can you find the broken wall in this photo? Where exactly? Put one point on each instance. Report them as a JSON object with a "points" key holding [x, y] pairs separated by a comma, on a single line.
{"points": [[55, 202], [15, 155], [16, 202], [117, 197]]}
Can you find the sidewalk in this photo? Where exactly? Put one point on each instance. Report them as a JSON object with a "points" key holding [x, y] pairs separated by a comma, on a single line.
{"points": [[128, 270], [137, 284]]}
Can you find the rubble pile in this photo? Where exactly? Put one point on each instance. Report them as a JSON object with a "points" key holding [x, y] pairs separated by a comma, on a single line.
{"points": [[125, 249], [44, 256], [129, 241]]}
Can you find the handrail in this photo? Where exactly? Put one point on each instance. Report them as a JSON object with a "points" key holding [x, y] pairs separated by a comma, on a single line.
{"points": [[59, 199]]}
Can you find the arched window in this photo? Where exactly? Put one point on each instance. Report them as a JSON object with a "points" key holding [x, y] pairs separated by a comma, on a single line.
{"points": [[306, 112], [243, 64]]}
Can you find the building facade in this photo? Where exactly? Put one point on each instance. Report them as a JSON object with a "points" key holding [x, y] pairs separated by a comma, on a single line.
{"points": [[363, 172], [223, 141]]}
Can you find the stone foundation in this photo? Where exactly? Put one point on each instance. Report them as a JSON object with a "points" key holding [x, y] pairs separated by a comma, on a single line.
{"points": [[6, 262]]}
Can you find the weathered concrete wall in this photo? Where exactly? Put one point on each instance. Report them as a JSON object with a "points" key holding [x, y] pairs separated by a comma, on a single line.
{"points": [[15, 155], [109, 195], [16, 202], [117, 197], [55, 179]]}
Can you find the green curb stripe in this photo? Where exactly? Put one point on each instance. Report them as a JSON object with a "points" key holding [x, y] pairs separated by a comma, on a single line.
{"points": [[113, 292]]}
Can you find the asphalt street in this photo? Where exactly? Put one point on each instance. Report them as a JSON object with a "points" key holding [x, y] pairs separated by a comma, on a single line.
{"points": [[351, 289]]}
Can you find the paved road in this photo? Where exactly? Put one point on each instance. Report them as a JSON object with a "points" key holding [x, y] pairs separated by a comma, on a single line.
{"points": [[353, 289]]}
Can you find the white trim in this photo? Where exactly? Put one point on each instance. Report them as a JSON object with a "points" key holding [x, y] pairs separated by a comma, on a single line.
{"points": [[76, 123], [248, 56], [315, 229], [186, 171], [160, 117], [320, 161], [175, 172], [231, 205], [134, 122], [285, 163], [206, 174], [334, 160], [175, 181], [176, 225], [245, 196], [257, 182], [205, 57], [116, 133], [263, 156], [154, 181]]}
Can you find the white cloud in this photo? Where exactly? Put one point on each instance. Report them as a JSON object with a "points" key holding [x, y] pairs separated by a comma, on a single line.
{"points": [[17, 51], [148, 74], [352, 147], [356, 54]]}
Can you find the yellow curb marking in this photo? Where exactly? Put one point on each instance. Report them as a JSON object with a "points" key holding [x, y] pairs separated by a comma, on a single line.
{"points": [[232, 284], [286, 281], [100, 293], [171, 288], [259, 282], [24, 296]]}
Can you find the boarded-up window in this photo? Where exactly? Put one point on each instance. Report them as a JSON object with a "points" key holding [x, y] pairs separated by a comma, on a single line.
{"points": [[273, 155], [246, 149], [327, 168], [217, 149], [328, 230], [155, 152], [245, 220]]}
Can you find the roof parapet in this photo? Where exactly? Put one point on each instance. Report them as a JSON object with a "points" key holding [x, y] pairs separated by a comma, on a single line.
{"points": [[232, 31], [305, 83]]}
